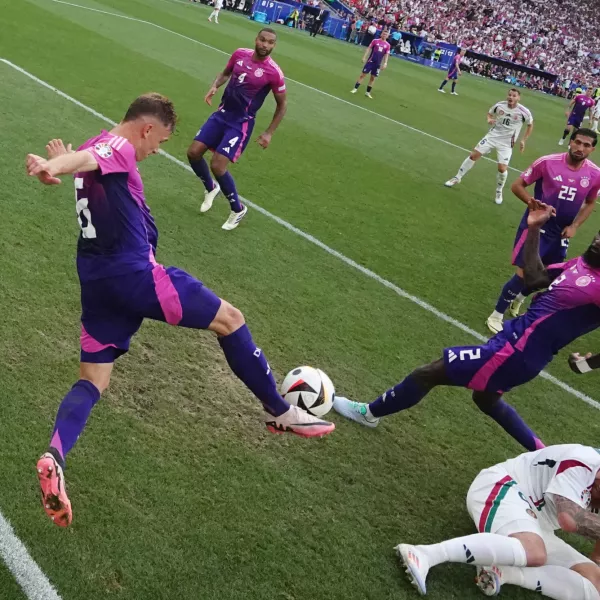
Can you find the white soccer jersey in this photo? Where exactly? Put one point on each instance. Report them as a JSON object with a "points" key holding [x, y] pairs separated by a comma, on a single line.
{"points": [[508, 122], [567, 470]]}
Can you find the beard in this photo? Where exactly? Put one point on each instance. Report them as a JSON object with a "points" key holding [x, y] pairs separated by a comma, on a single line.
{"points": [[576, 158], [261, 52]]}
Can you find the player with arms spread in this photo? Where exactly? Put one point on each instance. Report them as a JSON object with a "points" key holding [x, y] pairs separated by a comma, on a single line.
{"points": [[568, 309], [453, 73], [122, 284], [251, 74], [569, 182], [375, 59], [507, 119], [575, 113], [517, 506]]}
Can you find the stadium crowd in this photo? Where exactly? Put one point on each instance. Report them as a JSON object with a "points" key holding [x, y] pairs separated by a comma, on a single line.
{"points": [[556, 37]]}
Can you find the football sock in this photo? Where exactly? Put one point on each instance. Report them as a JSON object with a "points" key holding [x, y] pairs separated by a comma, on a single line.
{"points": [[369, 88], [466, 166], [453, 85], [565, 133], [443, 84], [402, 396], [551, 581], [203, 172], [509, 292], [72, 416], [478, 549], [228, 188], [511, 421], [500, 181], [250, 365], [356, 85], [595, 124], [212, 14]]}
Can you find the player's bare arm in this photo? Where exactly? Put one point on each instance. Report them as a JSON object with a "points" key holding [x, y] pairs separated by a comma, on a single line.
{"points": [[64, 164], [220, 80], [491, 119], [526, 136], [583, 364], [366, 54], [264, 139], [535, 274], [519, 189], [587, 208], [570, 107], [575, 519]]}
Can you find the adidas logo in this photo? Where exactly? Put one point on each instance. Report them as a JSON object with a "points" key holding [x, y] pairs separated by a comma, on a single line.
{"points": [[227, 149], [451, 356], [240, 63], [558, 178], [538, 589], [469, 554]]}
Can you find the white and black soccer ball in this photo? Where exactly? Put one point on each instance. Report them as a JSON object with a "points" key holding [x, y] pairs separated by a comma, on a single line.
{"points": [[310, 389]]}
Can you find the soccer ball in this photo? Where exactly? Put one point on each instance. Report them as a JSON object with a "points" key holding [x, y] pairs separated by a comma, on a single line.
{"points": [[310, 389]]}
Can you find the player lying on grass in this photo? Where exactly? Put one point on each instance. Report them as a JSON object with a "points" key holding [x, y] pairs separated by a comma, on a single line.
{"points": [[122, 284], [568, 309], [517, 506]]}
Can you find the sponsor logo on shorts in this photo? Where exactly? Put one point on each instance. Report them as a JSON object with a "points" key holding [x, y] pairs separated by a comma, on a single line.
{"points": [[531, 513], [103, 150], [585, 182], [258, 73], [451, 356], [584, 281]]}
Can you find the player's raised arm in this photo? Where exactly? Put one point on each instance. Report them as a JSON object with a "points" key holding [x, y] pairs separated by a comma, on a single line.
{"points": [[65, 164], [535, 274], [575, 519], [584, 364], [220, 80]]}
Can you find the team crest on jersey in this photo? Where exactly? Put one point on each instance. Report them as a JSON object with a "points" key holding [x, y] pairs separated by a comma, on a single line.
{"points": [[584, 281], [531, 513], [500, 112], [585, 182], [103, 150], [258, 73]]}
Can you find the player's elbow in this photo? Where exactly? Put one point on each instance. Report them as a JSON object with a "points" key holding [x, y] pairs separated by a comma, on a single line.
{"points": [[567, 522]]}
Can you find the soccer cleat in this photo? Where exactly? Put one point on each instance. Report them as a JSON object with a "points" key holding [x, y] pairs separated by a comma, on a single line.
{"points": [[455, 93], [494, 324], [561, 142], [489, 580], [209, 198], [356, 411], [54, 495], [441, 90], [234, 219], [368, 95], [515, 307], [353, 91], [499, 199], [299, 422], [452, 182], [416, 564]]}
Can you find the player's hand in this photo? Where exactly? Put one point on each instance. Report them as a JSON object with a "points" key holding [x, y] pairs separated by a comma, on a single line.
{"points": [[568, 232], [383, 66], [539, 213], [522, 146], [56, 148], [38, 167], [264, 139], [208, 98]]}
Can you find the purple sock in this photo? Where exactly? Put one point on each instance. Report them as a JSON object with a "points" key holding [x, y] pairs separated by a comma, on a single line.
{"points": [[72, 416], [228, 188], [510, 420], [402, 396], [201, 169], [509, 292], [250, 365]]}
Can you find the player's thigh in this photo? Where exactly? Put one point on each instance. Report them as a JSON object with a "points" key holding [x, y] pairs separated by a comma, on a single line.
{"points": [[504, 154], [497, 505], [589, 570], [561, 554], [234, 140], [485, 146], [211, 133]]}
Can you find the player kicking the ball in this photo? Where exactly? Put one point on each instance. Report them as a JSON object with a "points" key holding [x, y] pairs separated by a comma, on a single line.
{"points": [[122, 284], [568, 309], [517, 506], [506, 118], [375, 59], [251, 74]]}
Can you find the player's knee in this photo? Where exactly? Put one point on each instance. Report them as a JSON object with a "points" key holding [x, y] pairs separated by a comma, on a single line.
{"points": [[428, 376], [502, 168], [227, 320], [195, 151], [218, 165]]}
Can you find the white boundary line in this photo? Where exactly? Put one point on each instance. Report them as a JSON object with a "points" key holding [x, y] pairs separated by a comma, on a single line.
{"points": [[371, 112], [313, 240]]}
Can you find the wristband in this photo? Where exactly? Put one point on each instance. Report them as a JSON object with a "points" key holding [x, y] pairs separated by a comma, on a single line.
{"points": [[582, 365]]}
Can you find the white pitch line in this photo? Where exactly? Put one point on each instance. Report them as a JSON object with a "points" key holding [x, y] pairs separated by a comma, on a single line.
{"points": [[313, 240], [309, 87], [29, 576]]}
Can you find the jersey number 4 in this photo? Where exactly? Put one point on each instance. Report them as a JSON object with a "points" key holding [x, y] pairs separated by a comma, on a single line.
{"points": [[84, 216]]}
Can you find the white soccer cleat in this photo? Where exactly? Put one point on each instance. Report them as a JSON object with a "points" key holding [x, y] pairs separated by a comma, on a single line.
{"points": [[499, 199], [489, 580], [209, 198], [494, 324], [455, 93], [298, 422], [441, 90], [416, 564], [368, 95], [515, 307], [353, 91], [234, 219], [356, 411], [561, 142], [452, 182]]}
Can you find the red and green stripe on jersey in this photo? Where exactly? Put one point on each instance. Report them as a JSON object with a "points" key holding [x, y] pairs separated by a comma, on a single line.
{"points": [[493, 502]]}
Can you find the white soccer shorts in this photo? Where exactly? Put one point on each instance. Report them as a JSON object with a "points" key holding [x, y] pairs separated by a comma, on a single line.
{"points": [[497, 505], [503, 150]]}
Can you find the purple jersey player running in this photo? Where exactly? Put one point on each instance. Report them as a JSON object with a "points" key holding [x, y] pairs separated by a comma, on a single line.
{"points": [[575, 113], [122, 284], [453, 73], [568, 309], [252, 74], [375, 58], [570, 183]]}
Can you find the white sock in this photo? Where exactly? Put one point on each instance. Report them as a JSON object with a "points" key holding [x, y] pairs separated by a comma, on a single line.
{"points": [[595, 124], [497, 315], [212, 14], [500, 181], [520, 297], [478, 549], [465, 167], [551, 581]]}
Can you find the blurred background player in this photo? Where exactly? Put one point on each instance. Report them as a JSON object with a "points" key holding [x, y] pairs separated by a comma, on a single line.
{"points": [[596, 114], [453, 73], [575, 113], [251, 74], [517, 506], [506, 118], [218, 5], [375, 59], [568, 309], [570, 183]]}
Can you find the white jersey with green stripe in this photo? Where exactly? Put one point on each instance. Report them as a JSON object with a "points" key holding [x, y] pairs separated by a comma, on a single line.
{"points": [[567, 470]]}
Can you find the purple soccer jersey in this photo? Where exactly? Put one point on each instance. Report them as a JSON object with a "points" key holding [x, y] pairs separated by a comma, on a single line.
{"points": [[454, 67], [582, 103], [379, 49], [568, 309]]}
